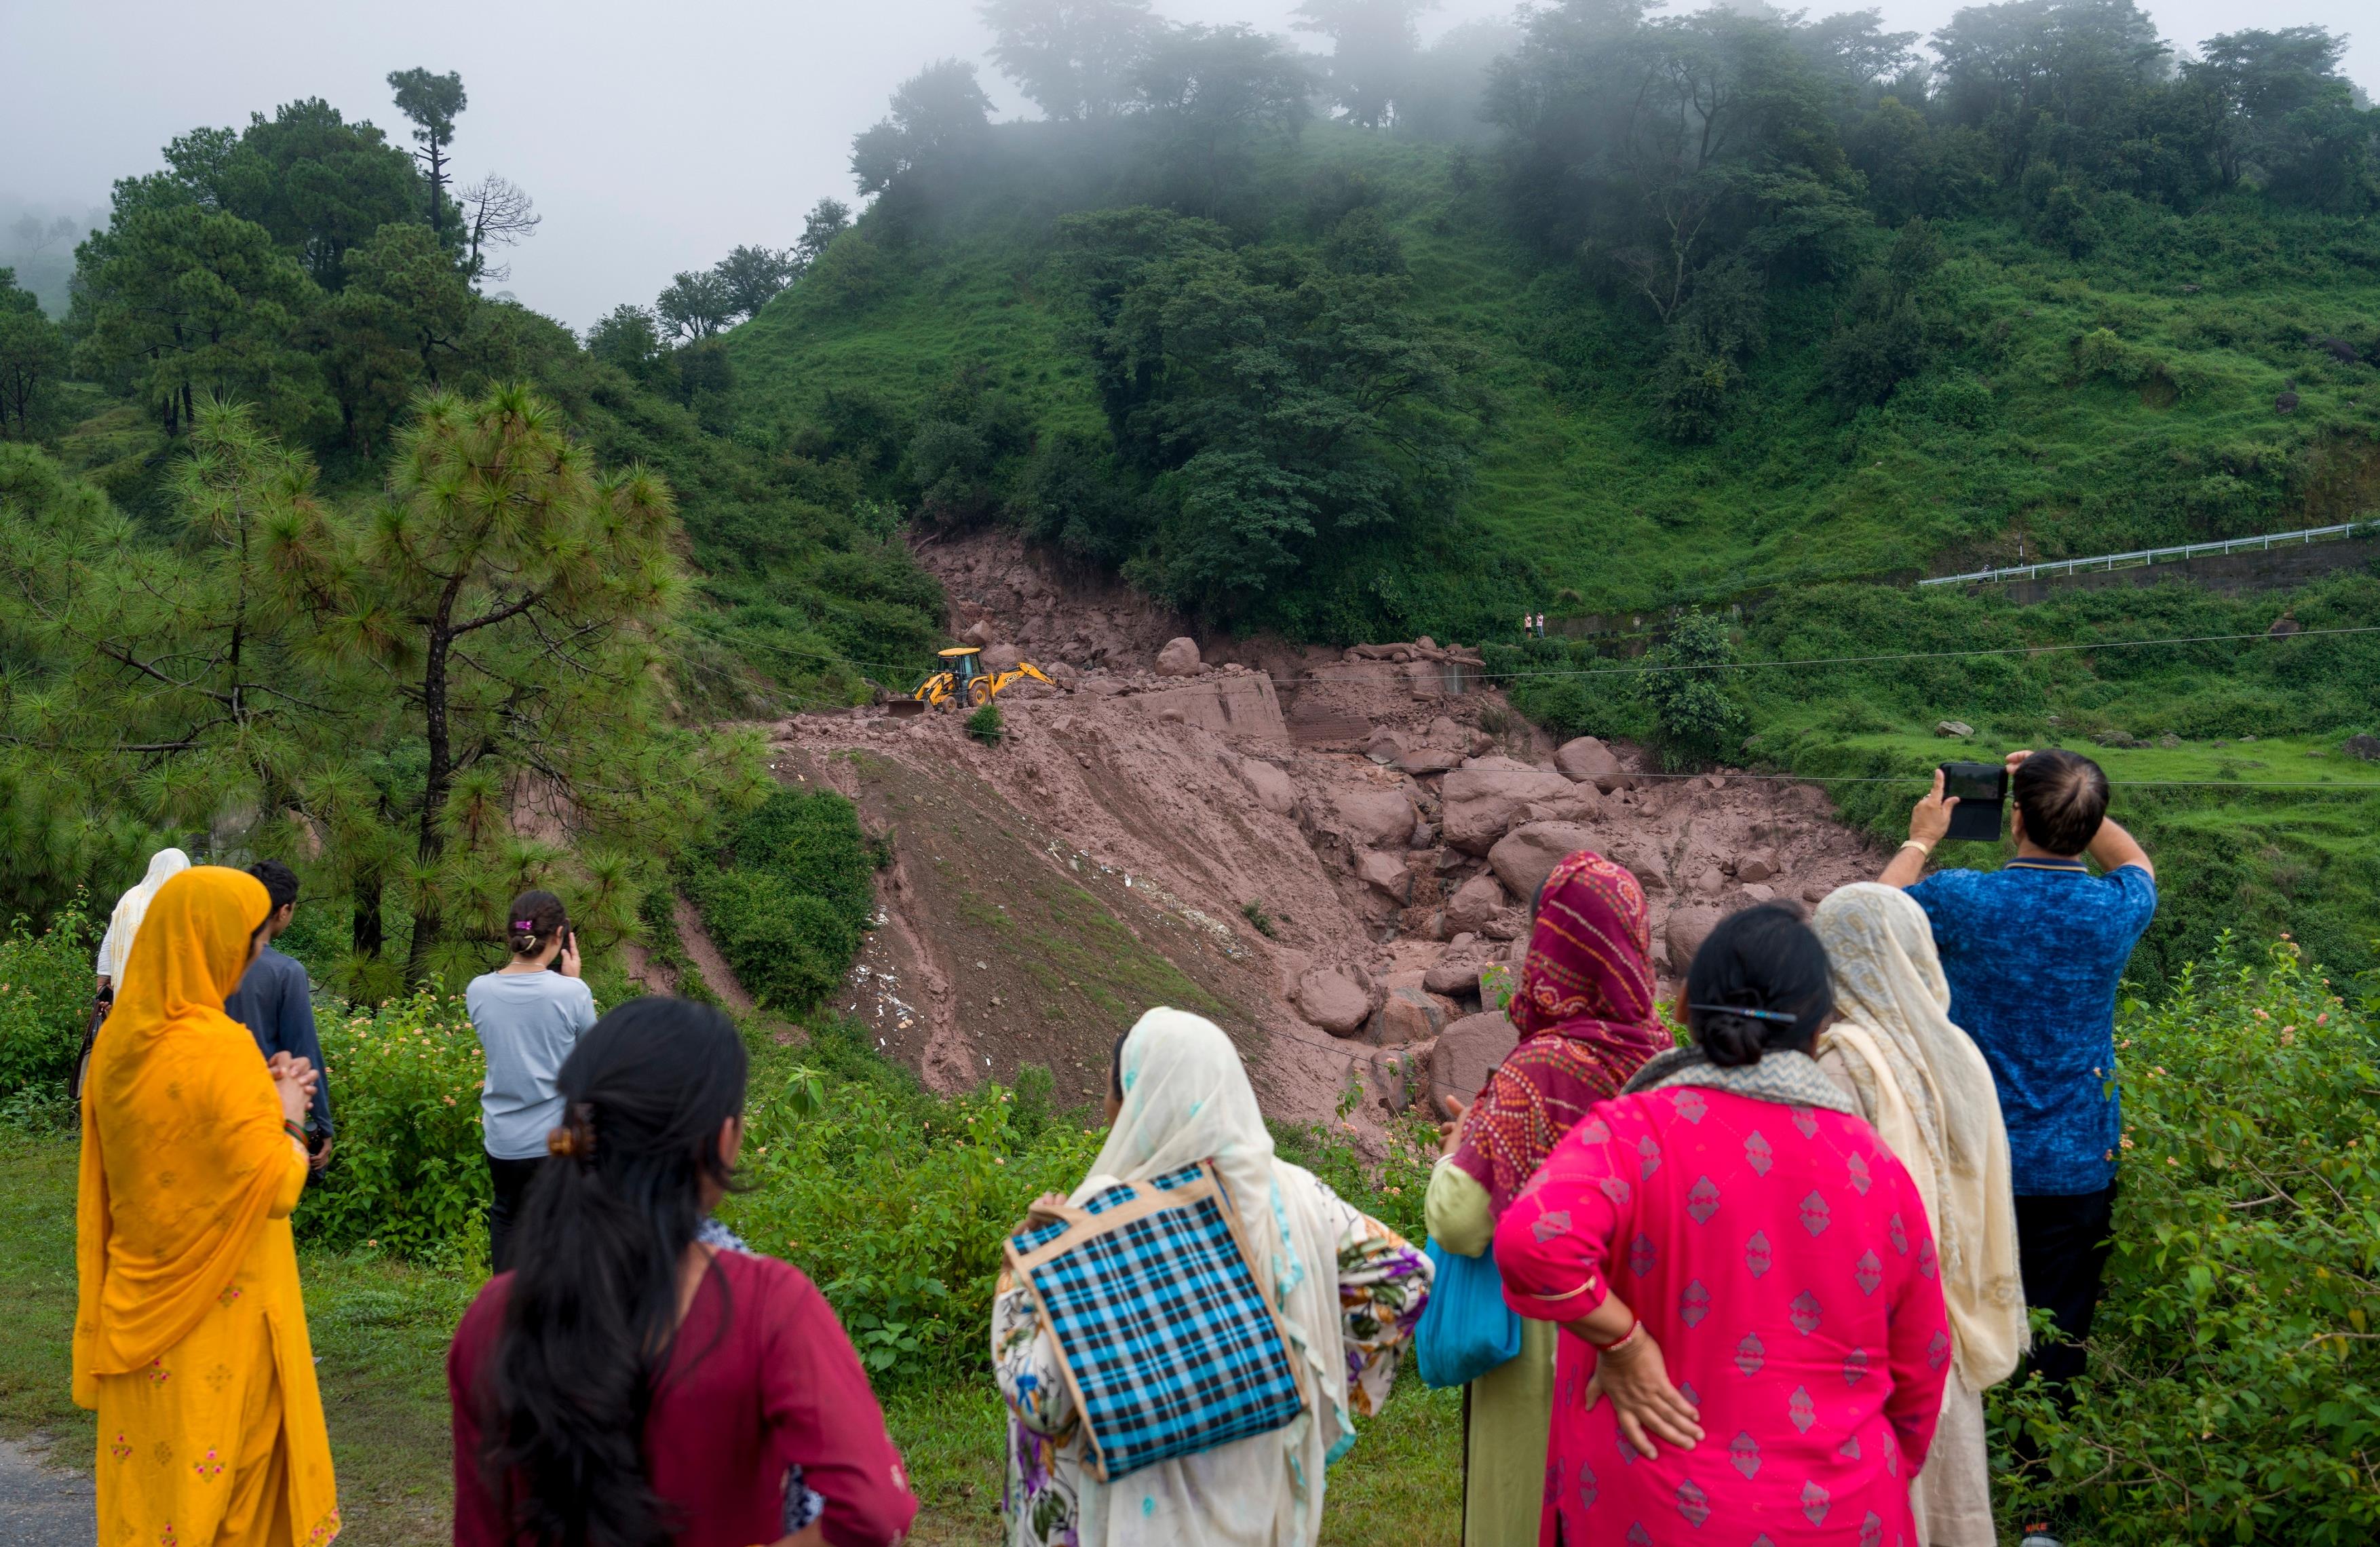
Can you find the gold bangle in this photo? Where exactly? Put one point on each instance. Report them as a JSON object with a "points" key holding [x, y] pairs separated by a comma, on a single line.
{"points": [[1920, 845]]}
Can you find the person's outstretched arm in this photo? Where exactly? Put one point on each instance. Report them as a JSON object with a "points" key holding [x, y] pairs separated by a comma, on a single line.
{"points": [[1929, 823]]}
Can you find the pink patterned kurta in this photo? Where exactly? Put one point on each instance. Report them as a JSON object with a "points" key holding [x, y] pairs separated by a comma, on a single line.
{"points": [[1781, 1256]]}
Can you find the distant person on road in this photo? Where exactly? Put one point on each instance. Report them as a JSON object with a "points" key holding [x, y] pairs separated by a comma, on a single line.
{"points": [[529, 1013], [275, 1003], [1342, 1283], [2034, 952], [637, 1379], [189, 1329], [1924, 1086], [1584, 1010]]}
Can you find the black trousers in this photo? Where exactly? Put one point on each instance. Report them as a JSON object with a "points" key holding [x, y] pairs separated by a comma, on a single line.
{"points": [[512, 1178], [2061, 1245]]}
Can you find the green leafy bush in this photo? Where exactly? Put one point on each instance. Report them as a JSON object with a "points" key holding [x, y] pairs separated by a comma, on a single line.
{"points": [[2234, 1386], [896, 1202], [408, 1172], [985, 725], [45, 986], [788, 947], [1697, 719], [789, 895]]}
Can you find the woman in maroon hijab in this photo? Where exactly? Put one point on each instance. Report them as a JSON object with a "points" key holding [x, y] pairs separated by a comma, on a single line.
{"points": [[1584, 1009]]}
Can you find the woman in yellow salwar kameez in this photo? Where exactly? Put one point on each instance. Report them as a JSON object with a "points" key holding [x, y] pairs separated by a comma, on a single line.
{"points": [[189, 1328]]}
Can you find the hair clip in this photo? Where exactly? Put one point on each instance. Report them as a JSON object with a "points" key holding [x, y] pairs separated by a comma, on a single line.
{"points": [[524, 926], [1780, 1017]]}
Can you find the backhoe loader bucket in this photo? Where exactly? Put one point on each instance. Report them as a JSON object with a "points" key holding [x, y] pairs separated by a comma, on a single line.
{"points": [[904, 709]]}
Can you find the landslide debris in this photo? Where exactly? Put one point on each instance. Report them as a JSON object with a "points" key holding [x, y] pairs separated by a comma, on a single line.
{"points": [[1324, 860]]}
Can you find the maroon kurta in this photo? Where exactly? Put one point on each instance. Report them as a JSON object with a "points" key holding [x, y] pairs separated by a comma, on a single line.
{"points": [[779, 1387], [1781, 1256]]}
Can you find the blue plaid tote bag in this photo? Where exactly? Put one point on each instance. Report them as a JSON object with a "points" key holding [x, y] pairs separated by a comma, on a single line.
{"points": [[1167, 1343]]}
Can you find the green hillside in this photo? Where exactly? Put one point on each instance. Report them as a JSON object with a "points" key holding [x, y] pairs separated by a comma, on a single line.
{"points": [[1708, 310], [2122, 399]]}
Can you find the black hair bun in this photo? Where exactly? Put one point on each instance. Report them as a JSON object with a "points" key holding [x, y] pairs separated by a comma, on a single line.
{"points": [[1732, 1041]]}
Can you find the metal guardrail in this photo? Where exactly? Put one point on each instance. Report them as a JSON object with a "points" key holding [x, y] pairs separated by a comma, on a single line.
{"points": [[2146, 556]]}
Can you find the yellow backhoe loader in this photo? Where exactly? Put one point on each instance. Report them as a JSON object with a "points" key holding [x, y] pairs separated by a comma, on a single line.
{"points": [[963, 678]]}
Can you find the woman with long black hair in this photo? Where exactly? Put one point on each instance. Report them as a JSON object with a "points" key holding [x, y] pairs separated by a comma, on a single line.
{"points": [[632, 1383]]}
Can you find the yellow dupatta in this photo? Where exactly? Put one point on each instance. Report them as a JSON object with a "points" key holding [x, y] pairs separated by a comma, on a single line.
{"points": [[183, 1149]]}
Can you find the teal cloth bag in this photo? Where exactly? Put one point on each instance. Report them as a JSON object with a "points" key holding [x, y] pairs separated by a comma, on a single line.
{"points": [[1466, 1329]]}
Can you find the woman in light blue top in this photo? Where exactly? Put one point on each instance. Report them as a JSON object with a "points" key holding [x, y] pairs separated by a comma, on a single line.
{"points": [[529, 1013]]}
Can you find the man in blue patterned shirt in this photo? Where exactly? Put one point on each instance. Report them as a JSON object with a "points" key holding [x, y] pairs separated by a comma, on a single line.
{"points": [[2034, 952]]}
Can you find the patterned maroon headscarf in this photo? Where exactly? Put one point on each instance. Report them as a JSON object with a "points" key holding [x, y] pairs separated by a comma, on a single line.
{"points": [[1584, 1009]]}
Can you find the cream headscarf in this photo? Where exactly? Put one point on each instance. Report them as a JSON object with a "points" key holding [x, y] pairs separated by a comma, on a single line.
{"points": [[1930, 1096], [116, 950], [1187, 1099]]}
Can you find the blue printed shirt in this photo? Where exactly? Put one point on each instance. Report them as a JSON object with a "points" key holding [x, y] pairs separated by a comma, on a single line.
{"points": [[2034, 952]]}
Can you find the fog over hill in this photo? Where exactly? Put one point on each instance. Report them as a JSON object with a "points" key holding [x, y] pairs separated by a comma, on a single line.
{"points": [[653, 138]]}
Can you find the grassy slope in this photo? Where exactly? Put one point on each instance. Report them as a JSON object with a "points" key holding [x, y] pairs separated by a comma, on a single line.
{"points": [[2165, 431]]}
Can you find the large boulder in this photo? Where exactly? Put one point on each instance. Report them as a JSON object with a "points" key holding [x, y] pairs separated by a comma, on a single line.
{"points": [[1687, 928], [1375, 818], [1756, 867], [1454, 974], [1269, 784], [1588, 760], [1241, 705], [1180, 658], [1400, 1075], [1333, 1000], [1473, 903], [1423, 761], [1577, 803], [1467, 1052], [982, 631], [1384, 873], [1406, 1015], [1001, 657], [1479, 805], [1525, 857], [2365, 746]]}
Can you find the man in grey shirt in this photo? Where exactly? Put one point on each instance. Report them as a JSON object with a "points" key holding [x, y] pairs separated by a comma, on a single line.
{"points": [[530, 1013], [275, 1002]]}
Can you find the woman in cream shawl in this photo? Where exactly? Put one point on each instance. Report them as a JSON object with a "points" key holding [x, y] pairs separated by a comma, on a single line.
{"points": [[124, 923], [1348, 1290], [1925, 1089]]}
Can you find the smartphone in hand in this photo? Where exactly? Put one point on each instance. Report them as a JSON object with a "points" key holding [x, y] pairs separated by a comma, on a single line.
{"points": [[1982, 791]]}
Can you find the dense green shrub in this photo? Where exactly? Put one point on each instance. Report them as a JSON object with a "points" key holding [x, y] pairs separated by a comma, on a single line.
{"points": [[1695, 716], [2234, 1385], [408, 1174], [896, 1202], [45, 985], [789, 895], [789, 948]]}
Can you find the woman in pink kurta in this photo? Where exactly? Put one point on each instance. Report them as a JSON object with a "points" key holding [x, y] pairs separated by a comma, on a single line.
{"points": [[1778, 1257]]}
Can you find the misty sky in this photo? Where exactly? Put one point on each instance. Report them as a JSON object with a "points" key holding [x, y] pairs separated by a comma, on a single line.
{"points": [[654, 136]]}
